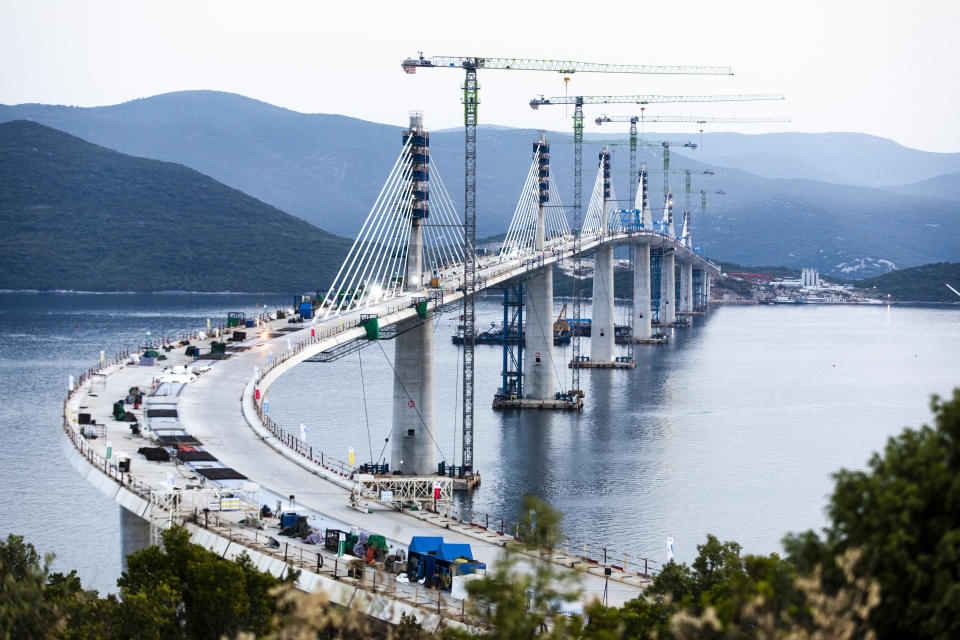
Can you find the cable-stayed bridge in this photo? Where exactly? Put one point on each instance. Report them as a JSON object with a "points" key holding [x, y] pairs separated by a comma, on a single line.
{"points": [[407, 264]]}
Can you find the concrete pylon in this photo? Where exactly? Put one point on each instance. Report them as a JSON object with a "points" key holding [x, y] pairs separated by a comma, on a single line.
{"points": [[541, 372], [412, 447], [668, 306], [706, 288], [641, 290], [602, 330], [685, 303]]}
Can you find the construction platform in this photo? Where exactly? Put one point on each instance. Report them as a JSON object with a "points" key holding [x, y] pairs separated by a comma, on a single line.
{"points": [[690, 313], [466, 483], [603, 364], [660, 338], [500, 402], [678, 323]]}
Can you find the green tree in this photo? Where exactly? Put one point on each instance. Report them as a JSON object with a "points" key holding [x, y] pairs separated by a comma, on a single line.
{"points": [[525, 593], [183, 590], [903, 514]]}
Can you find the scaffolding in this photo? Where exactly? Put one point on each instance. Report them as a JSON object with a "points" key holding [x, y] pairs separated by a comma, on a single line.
{"points": [[400, 491]]}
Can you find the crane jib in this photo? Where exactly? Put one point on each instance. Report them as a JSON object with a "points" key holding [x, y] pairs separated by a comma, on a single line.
{"points": [[567, 67]]}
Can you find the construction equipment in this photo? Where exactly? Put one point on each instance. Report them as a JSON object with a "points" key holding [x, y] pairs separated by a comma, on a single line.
{"points": [[470, 65], [437, 562], [560, 326]]}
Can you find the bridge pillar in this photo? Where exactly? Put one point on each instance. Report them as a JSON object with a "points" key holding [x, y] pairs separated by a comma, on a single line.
{"points": [[540, 370], [134, 534], [602, 331], [412, 448], [685, 303], [698, 275], [641, 291], [668, 286], [706, 289]]}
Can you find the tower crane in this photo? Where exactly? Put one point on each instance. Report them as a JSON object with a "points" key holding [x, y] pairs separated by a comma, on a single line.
{"points": [[642, 99], [666, 146], [470, 65]]}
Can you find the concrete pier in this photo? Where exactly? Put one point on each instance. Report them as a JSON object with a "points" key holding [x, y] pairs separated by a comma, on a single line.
{"points": [[685, 303], [412, 450], [134, 534], [641, 291], [602, 331], [668, 287]]}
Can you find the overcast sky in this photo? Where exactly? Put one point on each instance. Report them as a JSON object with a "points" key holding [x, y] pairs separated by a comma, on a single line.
{"points": [[880, 67]]}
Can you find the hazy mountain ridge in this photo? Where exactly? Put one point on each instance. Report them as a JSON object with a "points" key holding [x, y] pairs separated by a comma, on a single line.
{"points": [[946, 186], [328, 169], [79, 216]]}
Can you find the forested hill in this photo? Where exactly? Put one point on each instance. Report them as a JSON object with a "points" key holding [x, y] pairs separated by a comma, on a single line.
{"points": [[79, 216], [924, 283]]}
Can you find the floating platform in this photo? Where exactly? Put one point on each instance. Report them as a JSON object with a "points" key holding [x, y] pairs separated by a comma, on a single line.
{"points": [[660, 338], [681, 323], [533, 403], [603, 364], [691, 313], [466, 483]]}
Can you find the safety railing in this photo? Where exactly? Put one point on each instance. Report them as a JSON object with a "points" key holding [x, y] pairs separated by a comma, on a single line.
{"points": [[591, 553], [347, 569]]}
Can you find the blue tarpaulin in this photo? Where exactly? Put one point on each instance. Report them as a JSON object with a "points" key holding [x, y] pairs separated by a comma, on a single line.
{"points": [[446, 551]]}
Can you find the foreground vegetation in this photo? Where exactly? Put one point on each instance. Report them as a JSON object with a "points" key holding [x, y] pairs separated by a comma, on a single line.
{"points": [[887, 566]]}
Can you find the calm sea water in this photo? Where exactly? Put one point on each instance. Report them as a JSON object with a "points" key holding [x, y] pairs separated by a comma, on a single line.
{"points": [[732, 429]]}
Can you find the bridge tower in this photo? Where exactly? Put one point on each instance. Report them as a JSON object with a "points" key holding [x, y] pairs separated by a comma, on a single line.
{"points": [[539, 333], [602, 330], [640, 255], [413, 451], [685, 298]]}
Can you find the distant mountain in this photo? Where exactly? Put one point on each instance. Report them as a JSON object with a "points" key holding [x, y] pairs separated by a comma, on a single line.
{"points": [[78, 216], [841, 158], [328, 170], [918, 284], [945, 186]]}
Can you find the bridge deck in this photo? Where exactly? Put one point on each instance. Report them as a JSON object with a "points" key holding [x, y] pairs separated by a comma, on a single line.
{"points": [[210, 409]]}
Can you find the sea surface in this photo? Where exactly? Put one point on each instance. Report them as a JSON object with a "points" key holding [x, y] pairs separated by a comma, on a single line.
{"points": [[734, 428]]}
